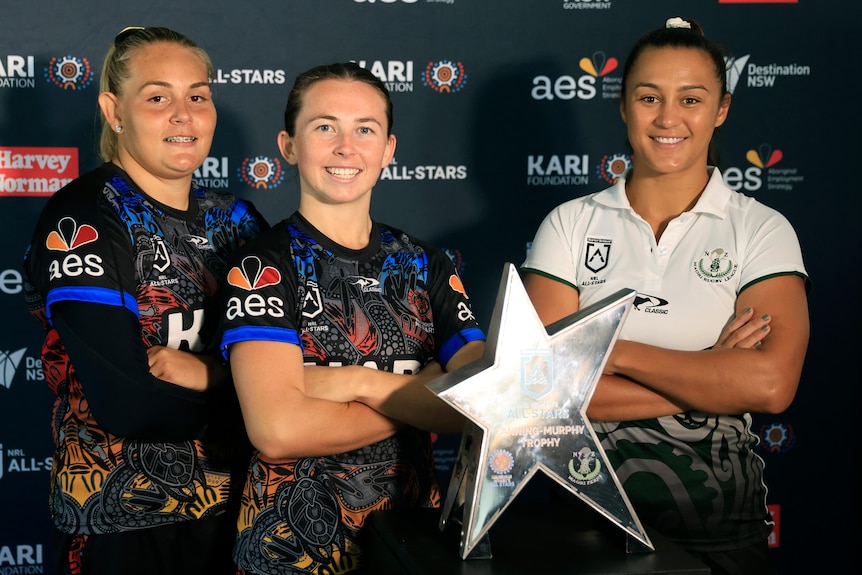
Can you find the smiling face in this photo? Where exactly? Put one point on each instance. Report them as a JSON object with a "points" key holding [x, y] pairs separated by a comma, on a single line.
{"points": [[672, 105], [340, 143], [166, 111]]}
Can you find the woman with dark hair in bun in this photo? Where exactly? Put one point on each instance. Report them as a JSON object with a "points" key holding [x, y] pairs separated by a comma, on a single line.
{"points": [[720, 325]]}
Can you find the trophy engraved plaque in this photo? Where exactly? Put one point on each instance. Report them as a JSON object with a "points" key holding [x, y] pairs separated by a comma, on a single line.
{"points": [[525, 402]]}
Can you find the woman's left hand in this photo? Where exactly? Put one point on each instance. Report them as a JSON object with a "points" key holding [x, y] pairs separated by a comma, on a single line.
{"points": [[179, 367]]}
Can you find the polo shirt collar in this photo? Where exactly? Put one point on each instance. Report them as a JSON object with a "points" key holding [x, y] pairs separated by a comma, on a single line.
{"points": [[713, 200]]}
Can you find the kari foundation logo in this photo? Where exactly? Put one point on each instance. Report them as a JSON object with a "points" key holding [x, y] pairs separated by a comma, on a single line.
{"points": [[777, 437], [445, 76], [17, 71], [558, 170], [36, 171], [396, 75], [261, 172], [69, 72]]}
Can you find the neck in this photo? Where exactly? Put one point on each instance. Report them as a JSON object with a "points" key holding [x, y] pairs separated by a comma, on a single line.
{"points": [[659, 199], [345, 225], [173, 192]]}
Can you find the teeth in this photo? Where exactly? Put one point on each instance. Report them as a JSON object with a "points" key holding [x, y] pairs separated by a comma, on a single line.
{"points": [[668, 140], [183, 139], [343, 172]]}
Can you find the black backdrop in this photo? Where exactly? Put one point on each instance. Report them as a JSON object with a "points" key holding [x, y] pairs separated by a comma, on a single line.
{"points": [[503, 109]]}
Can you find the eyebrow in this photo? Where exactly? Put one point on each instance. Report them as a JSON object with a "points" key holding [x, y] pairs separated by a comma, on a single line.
{"points": [[169, 85], [681, 88], [335, 119]]}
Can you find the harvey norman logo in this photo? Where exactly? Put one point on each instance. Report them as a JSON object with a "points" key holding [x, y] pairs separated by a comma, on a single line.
{"points": [[36, 171]]}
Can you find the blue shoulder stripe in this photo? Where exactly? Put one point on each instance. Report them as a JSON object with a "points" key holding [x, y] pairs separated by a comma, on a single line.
{"points": [[92, 294], [259, 333]]}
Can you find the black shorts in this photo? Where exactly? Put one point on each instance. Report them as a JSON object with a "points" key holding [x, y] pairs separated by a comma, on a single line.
{"points": [[202, 546]]}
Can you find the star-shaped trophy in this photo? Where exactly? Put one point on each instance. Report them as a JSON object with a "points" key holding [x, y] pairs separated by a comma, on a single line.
{"points": [[526, 402]]}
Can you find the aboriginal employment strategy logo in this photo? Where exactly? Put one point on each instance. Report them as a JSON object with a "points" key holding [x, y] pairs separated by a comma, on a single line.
{"points": [[763, 172]]}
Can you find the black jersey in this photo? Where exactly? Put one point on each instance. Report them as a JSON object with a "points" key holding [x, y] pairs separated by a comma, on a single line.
{"points": [[105, 249], [394, 305]]}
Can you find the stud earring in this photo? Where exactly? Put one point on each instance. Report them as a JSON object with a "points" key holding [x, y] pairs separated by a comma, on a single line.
{"points": [[118, 128]]}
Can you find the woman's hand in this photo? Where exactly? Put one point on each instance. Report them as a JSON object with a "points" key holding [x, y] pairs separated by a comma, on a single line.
{"points": [[745, 331], [181, 368]]}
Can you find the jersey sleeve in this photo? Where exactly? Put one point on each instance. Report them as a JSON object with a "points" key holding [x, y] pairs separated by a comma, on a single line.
{"points": [[773, 248], [553, 251], [260, 298], [455, 323], [80, 264]]}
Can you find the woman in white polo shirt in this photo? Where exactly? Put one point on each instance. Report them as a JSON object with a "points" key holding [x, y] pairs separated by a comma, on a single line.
{"points": [[720, 325]]}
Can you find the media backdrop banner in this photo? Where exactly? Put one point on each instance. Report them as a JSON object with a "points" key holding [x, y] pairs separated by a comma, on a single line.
{"points": [[503, 109]]}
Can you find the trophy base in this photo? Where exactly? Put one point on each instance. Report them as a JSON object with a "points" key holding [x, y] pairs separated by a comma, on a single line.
{"points": [[537, 538]]}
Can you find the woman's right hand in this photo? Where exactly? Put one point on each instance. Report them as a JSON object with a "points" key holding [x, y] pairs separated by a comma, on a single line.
{"points": [[745, 331]]}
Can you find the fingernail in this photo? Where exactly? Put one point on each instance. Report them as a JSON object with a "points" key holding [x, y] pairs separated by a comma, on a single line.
{"points": [[765, 317], [747, 310], [757, 345], [765, 328]]}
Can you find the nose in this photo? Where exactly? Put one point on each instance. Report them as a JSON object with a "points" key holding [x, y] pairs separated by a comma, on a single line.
{"points": [[344, 145], [181, 113], [668, 115]]}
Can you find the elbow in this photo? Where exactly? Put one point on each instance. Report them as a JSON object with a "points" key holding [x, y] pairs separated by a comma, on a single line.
{"points": [[273, 444], [777, 395]]}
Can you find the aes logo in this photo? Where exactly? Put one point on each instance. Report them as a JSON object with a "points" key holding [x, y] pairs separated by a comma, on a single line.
{"points": [[67, 237], [252, 275]]}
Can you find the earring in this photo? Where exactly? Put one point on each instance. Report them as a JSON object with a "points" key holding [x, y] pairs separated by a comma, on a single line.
{"points": [[118, 128]]}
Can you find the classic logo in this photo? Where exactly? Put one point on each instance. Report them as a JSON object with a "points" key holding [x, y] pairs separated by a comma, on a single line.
{"points": [[445, 76], [650, 304], [598, 254], [261, 172], [612, 167], [9, 362], [537, 378], [69, 72]]}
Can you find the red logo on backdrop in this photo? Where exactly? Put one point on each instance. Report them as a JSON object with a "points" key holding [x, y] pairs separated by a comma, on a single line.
{"points": [[775, 536], [758, 1], [36, 171]]}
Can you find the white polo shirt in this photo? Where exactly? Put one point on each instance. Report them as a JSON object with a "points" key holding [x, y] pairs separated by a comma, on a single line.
{"points": [[688, 282]]}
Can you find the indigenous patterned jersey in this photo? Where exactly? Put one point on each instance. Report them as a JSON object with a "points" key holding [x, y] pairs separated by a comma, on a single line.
{"points": [[694, 477], [101, 240], [393, 306]]}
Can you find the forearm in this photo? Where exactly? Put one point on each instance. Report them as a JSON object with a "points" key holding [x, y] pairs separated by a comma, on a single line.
{"points": [[617, 398], [714, 381]]}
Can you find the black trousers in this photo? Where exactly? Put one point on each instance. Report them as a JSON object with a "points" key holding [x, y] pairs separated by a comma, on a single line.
{"points": [[202, 546]]}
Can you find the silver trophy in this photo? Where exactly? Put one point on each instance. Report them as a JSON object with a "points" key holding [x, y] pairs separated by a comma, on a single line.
{"points": [[525, 402]]}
